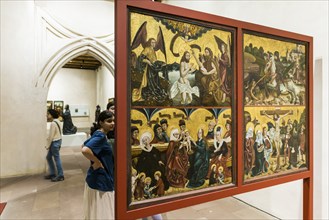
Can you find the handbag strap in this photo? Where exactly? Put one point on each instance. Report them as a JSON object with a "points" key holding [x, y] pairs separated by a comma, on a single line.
{"points": [[59, 128]]}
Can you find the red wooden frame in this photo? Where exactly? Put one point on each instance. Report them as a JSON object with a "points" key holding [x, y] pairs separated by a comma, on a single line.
{"points": [[121, 92]]}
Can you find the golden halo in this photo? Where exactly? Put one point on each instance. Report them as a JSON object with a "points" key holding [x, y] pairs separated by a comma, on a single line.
{"points": [[204, 127], [157, 173], [147, 179], [258, 128], [250, 125], [211, 46], [141, 175], [215, 130], [144, 131], [264, 125]]}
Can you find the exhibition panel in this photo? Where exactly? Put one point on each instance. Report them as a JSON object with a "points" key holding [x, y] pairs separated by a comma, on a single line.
{"points": [[207, 107]]}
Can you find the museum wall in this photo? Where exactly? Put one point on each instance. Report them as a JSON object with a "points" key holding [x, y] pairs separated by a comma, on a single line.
{"points": [[37, 39], [308, 18], [105, 86], [76, 88]]}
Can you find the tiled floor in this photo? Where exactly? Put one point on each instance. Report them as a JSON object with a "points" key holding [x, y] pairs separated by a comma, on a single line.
{"points": [[32, 197]]}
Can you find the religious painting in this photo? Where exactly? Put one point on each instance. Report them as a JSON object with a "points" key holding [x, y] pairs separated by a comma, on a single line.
{"points": [[274, 71], [49, 105], [181, 77], [175, 150], [275, 113], [59, 106], [179, 63]]}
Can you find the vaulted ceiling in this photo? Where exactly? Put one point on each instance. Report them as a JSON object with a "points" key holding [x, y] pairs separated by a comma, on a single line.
{"points": [[83, 62]]}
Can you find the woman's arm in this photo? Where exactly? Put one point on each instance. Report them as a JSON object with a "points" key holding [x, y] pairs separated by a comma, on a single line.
{"points": [[90, 156]]}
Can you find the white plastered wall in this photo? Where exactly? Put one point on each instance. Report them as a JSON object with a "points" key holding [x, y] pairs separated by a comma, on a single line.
{"points": [[308, 18], [105, 87], [37, 38], [75, 87]]}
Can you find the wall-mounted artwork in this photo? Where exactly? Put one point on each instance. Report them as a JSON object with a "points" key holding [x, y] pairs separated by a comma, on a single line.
{"points": [[79, 110], [181, 96], [49, 105], [59, 106], [275, 79]]}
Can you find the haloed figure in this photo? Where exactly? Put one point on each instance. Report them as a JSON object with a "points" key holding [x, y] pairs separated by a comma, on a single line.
{"points": [[219, 154], [182, 85], [177, 161], [149, 160], [200, 161]]}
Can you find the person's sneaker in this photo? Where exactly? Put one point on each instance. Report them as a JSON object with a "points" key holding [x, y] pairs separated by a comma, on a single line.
{"points": [[48, 177], [57, 178]]}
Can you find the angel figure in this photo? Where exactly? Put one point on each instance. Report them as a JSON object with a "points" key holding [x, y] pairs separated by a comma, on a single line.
{"points": [[224, 62], [147, 64]]}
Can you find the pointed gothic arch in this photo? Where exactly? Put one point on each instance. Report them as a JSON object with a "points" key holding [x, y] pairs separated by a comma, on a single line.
{"points": [[81, 46]]}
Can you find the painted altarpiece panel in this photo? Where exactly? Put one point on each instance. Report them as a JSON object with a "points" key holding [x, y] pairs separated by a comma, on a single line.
{"points": [[188, 76], [275, 113], [181, 78]]}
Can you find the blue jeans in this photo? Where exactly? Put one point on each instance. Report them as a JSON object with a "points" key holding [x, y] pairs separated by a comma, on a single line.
{"points": [[54, 152]]}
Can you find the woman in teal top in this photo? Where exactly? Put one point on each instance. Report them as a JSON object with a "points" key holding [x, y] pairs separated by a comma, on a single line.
{"points": [[99, 188]]}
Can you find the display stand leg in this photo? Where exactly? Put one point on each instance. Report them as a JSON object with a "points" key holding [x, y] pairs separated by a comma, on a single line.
{"points": [[308, 198]]}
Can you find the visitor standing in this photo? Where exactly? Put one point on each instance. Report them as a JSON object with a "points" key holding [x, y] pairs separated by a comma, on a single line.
{"points": [[54, 141], [99, 188]]}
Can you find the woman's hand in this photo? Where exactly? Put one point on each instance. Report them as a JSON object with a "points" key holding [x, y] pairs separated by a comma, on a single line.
{"points": [[97, 164]]}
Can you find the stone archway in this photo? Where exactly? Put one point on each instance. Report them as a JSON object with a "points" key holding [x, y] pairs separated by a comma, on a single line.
{"points": [[84, 45]]}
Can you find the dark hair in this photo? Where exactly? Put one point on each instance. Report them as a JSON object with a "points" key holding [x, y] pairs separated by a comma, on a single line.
{"points": [[276, 53], [163, 121], [181, 122], [102, 117], [270, 125], [211, 54], [156, 126], [148, 43], [110, 103], [183, 59], [133, 128], [53, 113]]}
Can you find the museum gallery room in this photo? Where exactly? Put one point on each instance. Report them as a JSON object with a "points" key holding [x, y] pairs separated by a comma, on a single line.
{"points": [[164, 109]]}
